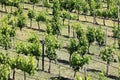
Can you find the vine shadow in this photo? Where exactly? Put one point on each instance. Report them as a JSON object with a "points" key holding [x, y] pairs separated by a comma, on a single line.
{"points": [[63, 61], [60, 78]]}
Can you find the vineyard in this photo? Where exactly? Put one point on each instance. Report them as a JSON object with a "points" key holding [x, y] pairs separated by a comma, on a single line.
{"points": [[59, 40]]}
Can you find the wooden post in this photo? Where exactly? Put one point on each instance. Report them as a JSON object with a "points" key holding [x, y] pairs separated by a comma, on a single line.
{"points": [[42, 4], [94, 21], [85, 73], [23, 4], [106, 37], [13, 74], [24, 75], [59, 69], [73, 33], [118, 23], [107, 70], [6, 48], [94, 18], [42, 53], [69, 24], [118, 17]]}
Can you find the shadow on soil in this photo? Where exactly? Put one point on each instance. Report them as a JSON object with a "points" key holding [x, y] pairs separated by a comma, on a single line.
{"points": [[113, 77], [66, 36], [93, 70], [35, 29], [60, 78], [10, 79], [63, 61], [65, 47]]}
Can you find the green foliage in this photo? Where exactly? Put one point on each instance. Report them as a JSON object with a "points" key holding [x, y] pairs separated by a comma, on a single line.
{"points": [[75, 61], [18, 11], [99, 12], [104, 14], [62, 2], [21, 21], [51, 40], [78, 5], [51, 44], [82, 5], [107, 54], [109, 3], [41, 16], [115, 32], [79, 32], [2, 1], [72, 46], [35, 49], [77, 48], [73, 17], [90, 34], [51, 54], [11, 2], [100, 36], [102, 76], [56, 8], [34, 1], [83, 46], [56, 24], [26, 65], [4, 71], [33, 38], [3, 59], [11, 20], [31, 14], [64, 14], [49, 29], [22, 48], [5, 35], [113, 12], [5, 29], [78, 62], [118, 57], [99, 4], [85, 7], [30, 68], [92, 4], [23, 63], [29, 49], [46, 3], [78, 77], [68, 5], [12, 32], [12, 63]]}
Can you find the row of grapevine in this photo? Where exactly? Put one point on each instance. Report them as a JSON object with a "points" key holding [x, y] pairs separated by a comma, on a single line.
{"points": [[19, 62], [77, 48]]}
